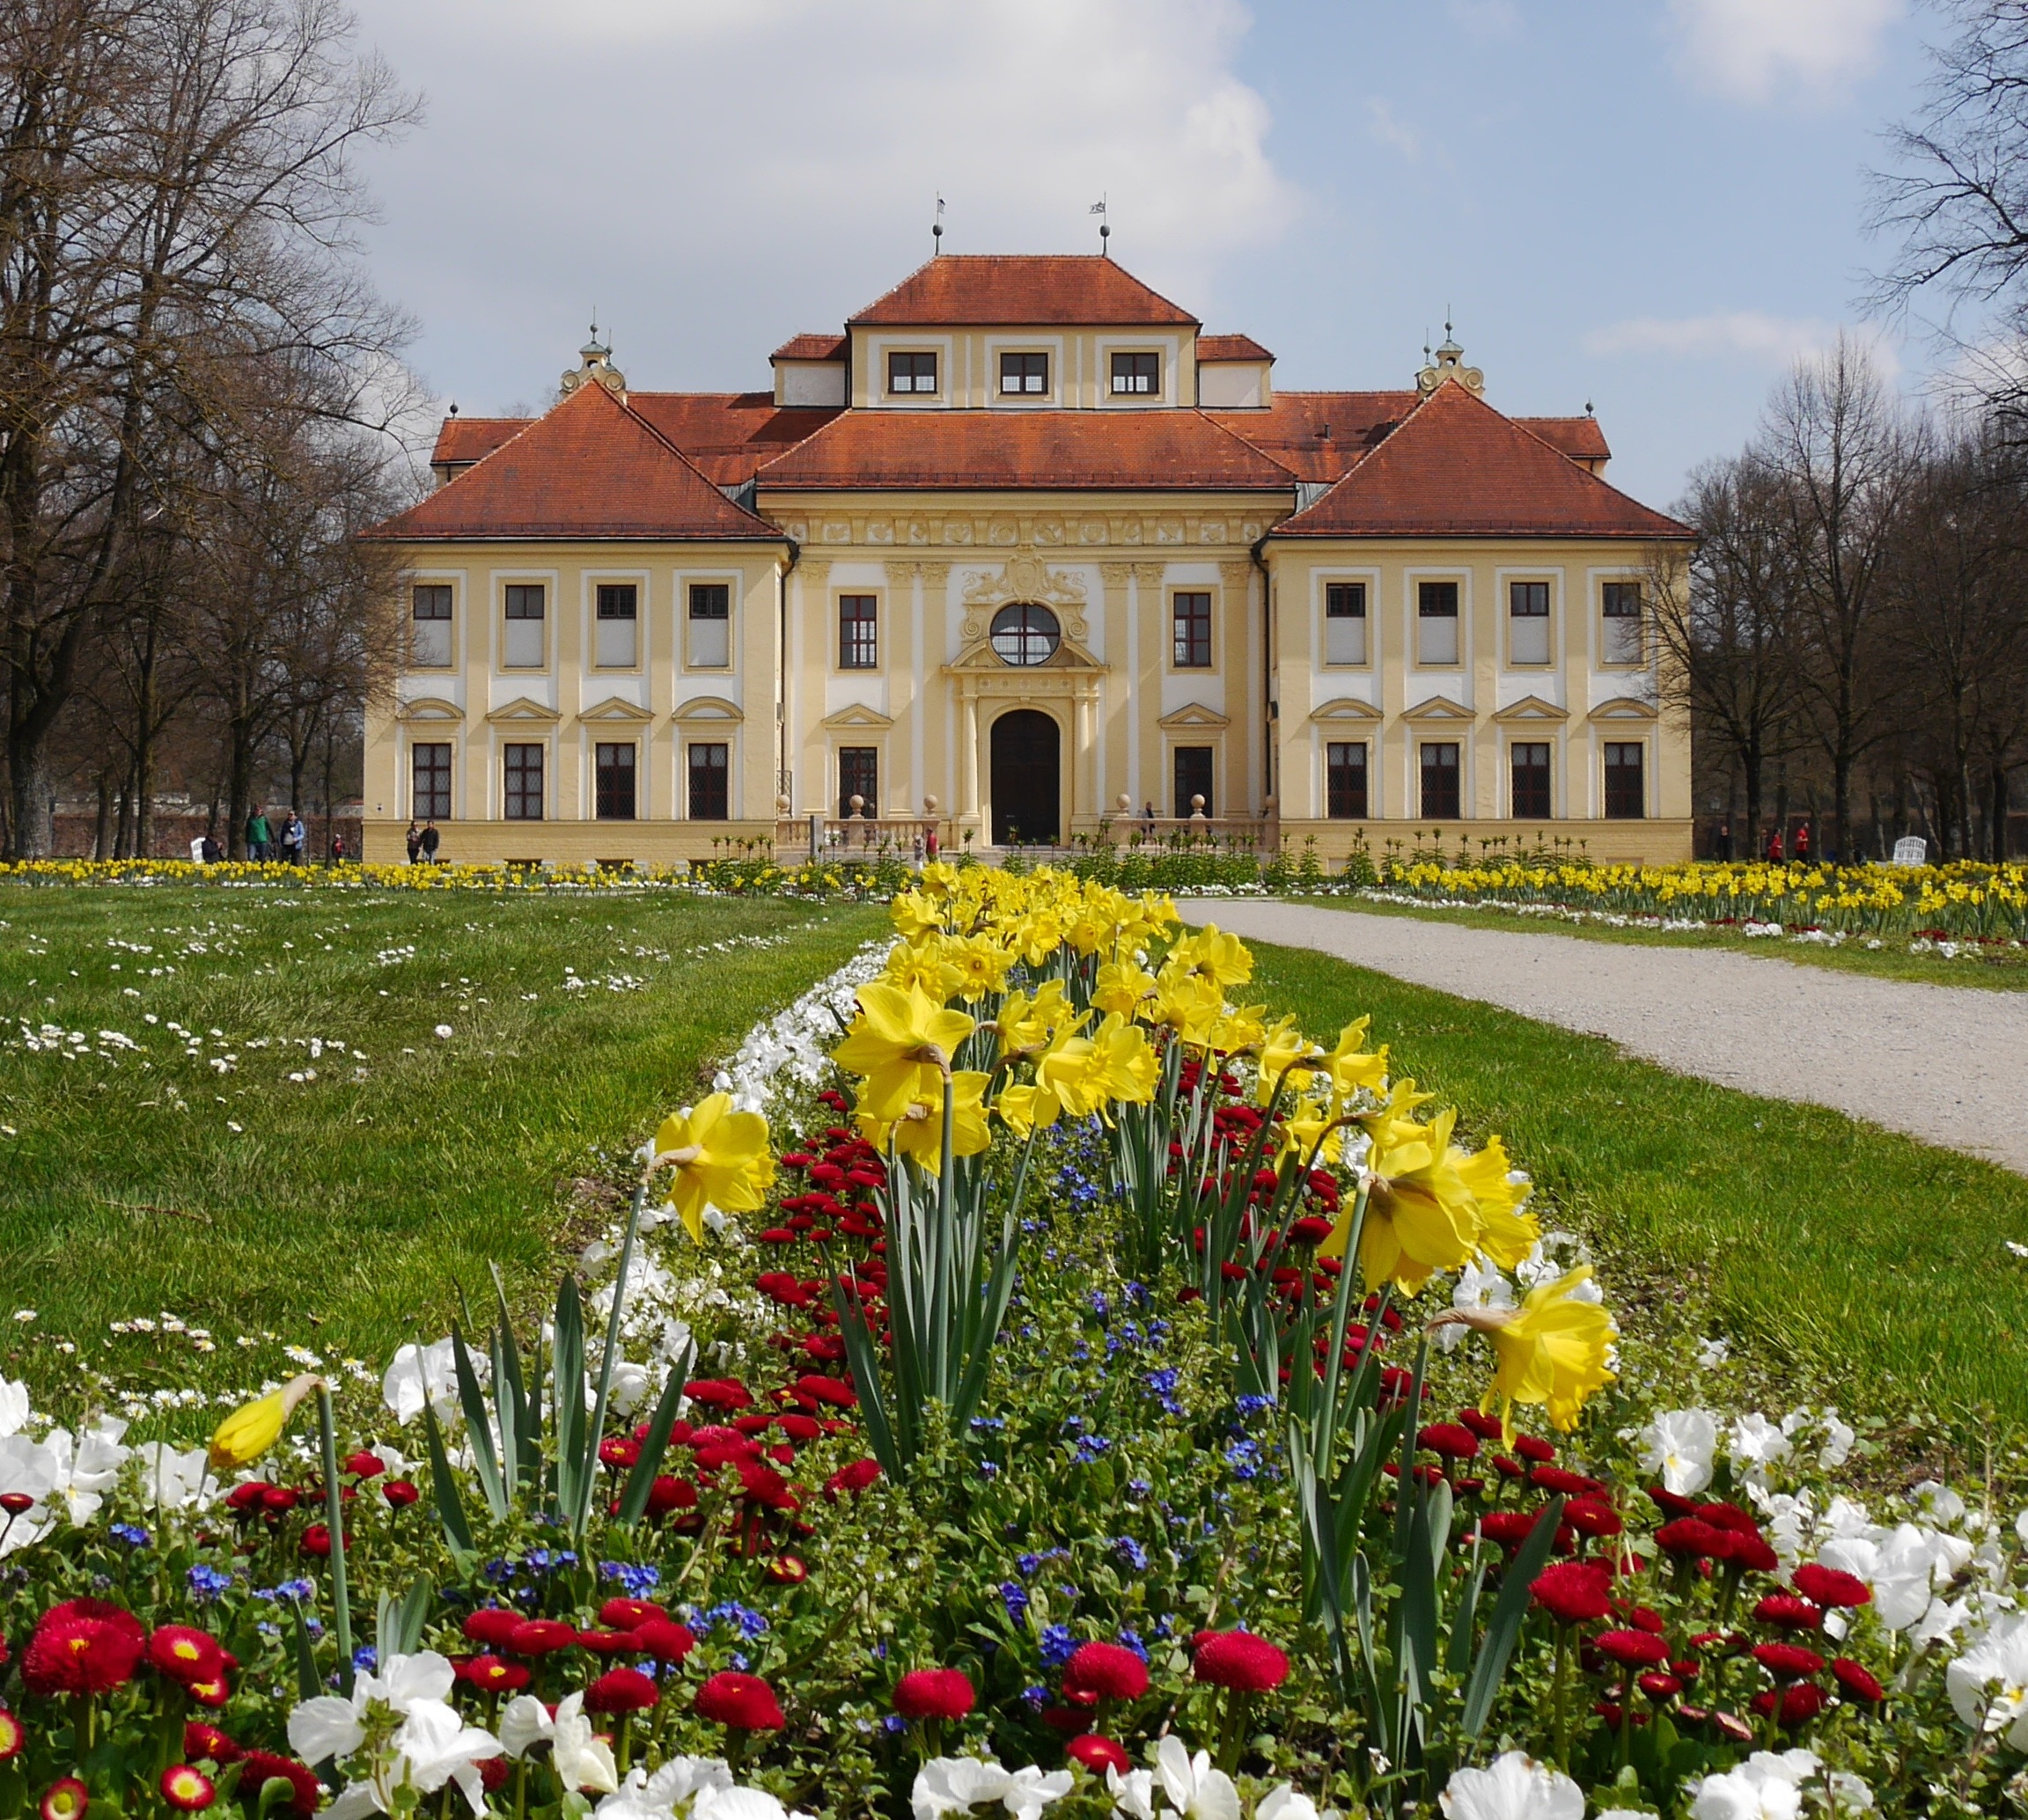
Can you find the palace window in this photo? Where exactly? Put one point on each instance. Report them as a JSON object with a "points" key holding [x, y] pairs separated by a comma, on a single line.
{"points": [[911, 372], [1194, 779], [1440, 794], [429, 642], [1137, 374], [1190, 614], [1528, 766], [522, 800], [1625, 789], [1345, 780], [1619, 605], [524, 642], [1024, 375], [859, 775], [614, 775], [1528, 622], [619, 618], [1436, 622], [710, 774], [710, 626], [1345, 622], [429, 782], [1025, 634], [858, 632]]}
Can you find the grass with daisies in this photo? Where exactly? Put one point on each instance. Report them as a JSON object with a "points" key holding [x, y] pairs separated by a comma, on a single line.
{"points": [[340, 1200], [233, 1108]]}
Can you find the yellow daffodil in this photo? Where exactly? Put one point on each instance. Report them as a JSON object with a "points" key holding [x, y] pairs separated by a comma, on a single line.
{"points": [[255, 1426], [901, 1043], [1221, 957], [919, 1131], [1024, 1109], [1188, 1003], [1122, 987], [1242, 1028], [720, 1158], [1281, 1048], [1550, 1351], [976, 966], [920, 965], [938, 879], [1123, 1062], [1421, 1217], [1354, 1067], [915, 915], [1506, 1232], [1310, 1120]]}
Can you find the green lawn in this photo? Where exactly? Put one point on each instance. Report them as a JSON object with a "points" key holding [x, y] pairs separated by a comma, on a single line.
{"points": [[344, 1209], [1844, 1263], [2005, 970]]}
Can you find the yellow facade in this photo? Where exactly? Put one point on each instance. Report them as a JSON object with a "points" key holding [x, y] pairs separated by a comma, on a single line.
{"points": [[909, 579]]}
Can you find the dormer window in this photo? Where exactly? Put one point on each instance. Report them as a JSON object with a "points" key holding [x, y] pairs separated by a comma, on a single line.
{"points": [[911, 372], [1024, 375], [1136, 375]]}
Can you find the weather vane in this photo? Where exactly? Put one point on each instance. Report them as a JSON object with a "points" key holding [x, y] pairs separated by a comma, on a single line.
{"points": [[1104, 227]]}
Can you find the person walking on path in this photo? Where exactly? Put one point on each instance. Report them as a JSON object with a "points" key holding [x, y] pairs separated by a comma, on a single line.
{"points": [[292, 833], [1148, 816], [1775, 846], [1803, 843], [1726, 841], [337, 849], [212, 852], [430, 838], [258, 836], [414, 838]]}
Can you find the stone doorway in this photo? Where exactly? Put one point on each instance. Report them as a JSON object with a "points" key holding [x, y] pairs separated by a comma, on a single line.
{"points": [[1027, 771]]}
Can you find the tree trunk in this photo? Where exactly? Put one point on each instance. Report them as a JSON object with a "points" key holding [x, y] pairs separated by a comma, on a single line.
{"points": [[102, 837], [1999, 800]]}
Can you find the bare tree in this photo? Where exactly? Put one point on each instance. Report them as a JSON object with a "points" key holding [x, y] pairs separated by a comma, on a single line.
{"points": [[1843, 455], [177, 198], [1727, 629]]}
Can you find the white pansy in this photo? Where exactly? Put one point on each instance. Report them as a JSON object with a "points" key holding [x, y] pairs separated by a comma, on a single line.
{"points": [[1988, 1683], [15, 1408], [431, 1749], [172, 1481], [1132, 1793], [682, 1784], [1837, 1439], [950, 1784], [1711, 1354], [1514, 1786], [419, 1374], [329, 1726], [1940, 1503], [1285, 1801], [1192, 1785], [1479, 1285], [580, 1759], [86, 1466], [1680, 1444], [1756, 1443]]}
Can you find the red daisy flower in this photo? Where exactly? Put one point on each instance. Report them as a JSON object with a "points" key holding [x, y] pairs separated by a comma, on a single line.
{"points": [[492, 1625], [621, 1690], [187, 1790], [745, 1702], [66, 1800], [1098, 1753], [1632, 1649], [205, 1743], [185, 1654], [79, 1654], [1574, 1592], [541, 1636], [934, 1694], [1786, 1613], [1104, 1671], [1788, 1662], [1238, 1659], [1831, 1586], [1857, 1682], [264, 1766], [491, 1674]]}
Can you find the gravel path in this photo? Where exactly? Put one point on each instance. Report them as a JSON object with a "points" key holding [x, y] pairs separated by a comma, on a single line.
{"points": [[1948, 1064]]}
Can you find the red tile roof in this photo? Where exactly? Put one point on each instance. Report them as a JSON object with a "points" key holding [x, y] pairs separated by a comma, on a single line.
{"points": [[1456, 467], [728, 435], [462, 439], [1113, 450], [591, 467], [810, 347], [1022, 290], [1318, 435], [1213, 349], [1578, 438]]}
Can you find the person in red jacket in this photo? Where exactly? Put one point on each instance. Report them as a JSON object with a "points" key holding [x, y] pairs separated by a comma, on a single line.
{"points": [[1775, 846], [1803, 843]]}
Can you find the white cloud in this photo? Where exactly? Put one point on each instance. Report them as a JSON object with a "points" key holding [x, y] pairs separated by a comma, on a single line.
{"points": [[1486, 19], [1753, 336], [1750, 50], [1388, 128], [717, 177]]}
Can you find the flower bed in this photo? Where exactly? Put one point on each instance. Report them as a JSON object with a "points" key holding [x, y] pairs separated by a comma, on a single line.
{"points": [[1030, 1381]]}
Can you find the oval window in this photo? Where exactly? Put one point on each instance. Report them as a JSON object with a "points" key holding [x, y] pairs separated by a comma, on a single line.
{"points": [[1024, 635]]}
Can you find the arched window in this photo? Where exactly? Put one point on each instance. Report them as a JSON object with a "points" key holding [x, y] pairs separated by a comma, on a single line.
{"points": [[1025, 634]]}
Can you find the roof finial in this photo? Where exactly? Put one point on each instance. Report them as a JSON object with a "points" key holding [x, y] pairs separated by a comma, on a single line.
{"points": [[1104, 227], [937, 228], [454, 407], [1587, 407]]}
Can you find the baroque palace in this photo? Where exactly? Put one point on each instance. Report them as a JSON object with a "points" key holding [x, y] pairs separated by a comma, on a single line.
{"points": [[1025, 554]]}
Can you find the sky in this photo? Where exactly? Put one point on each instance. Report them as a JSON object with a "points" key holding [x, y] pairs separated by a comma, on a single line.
{"points": [[1653, 206]]}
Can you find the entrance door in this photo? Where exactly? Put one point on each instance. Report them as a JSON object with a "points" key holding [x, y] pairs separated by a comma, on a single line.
{"points": [[1026, 776]]}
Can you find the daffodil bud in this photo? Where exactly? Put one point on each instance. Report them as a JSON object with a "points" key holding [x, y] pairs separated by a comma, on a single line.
{"points": [[254, 1427]]}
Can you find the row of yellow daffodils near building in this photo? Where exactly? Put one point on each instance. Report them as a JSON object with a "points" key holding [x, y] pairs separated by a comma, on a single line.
{"points": [[1012, 1002]]}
